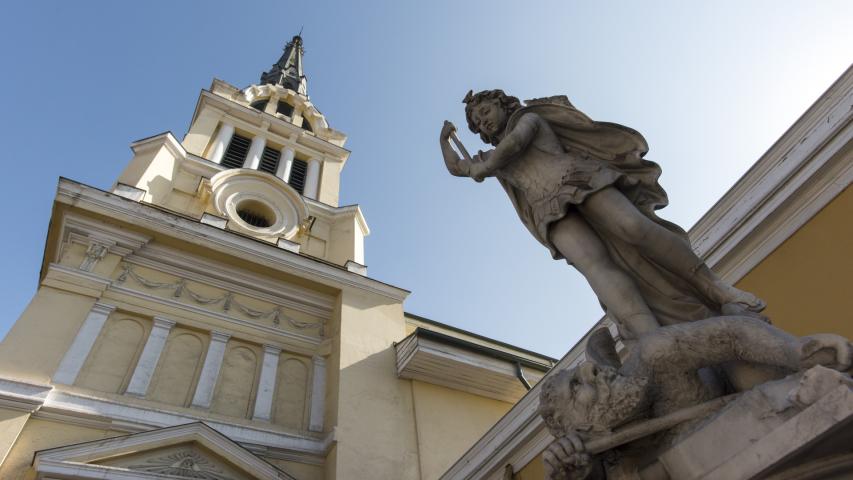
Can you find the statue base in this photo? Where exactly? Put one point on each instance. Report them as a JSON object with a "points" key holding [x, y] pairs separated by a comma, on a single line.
{"points": [[795, 428]]}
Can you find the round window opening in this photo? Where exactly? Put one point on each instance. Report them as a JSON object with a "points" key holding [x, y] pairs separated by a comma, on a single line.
{"points": [[256, 214]]}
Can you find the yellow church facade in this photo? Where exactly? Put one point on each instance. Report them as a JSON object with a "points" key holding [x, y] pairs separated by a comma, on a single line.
{"points": [[211, 316]]}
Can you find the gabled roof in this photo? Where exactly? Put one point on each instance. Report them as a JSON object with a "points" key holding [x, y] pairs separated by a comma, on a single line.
{"points": [[86, 460]]}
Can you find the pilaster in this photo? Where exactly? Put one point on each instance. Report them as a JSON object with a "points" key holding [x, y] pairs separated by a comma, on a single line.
{"points": [[76, 355], [150, 356], [266, 385], [210, 370]]}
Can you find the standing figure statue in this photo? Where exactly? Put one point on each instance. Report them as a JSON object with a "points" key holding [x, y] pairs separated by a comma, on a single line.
{"points": [[584, 191]]}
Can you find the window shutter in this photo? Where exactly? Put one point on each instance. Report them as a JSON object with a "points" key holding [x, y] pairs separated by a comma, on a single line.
{"points": [[269, 160], [235, 155], [297, 175]]}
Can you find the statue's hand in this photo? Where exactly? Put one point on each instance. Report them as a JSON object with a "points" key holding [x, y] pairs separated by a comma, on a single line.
{"points": [[566, 458], [826, 349], [446, 130]]}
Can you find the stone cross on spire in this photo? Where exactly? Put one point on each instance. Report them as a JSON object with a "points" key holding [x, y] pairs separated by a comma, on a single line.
{"points": [[287, 72]]}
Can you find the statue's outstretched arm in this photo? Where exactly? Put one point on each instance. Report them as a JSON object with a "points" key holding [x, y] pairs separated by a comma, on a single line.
{"points": [[693, 345], [455, 165]]}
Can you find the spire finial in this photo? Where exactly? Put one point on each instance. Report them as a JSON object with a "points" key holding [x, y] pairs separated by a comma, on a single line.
{"points": [[287, 72]]}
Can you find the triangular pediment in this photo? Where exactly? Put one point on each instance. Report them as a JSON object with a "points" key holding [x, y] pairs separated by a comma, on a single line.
{"points": [[186, 451]]}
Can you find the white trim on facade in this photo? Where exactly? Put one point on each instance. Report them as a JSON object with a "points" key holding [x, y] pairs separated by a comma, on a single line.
{"points": [[57, 404], [266, 384], [100, 202], [73, 461], [150, 356], [210, 370]]}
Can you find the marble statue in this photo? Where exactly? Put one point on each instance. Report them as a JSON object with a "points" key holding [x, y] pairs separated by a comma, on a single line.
{"points": [[659, 378], [585, 192]]}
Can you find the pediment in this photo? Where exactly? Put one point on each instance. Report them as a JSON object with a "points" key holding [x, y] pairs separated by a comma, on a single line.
{"points": [[193, 451]]}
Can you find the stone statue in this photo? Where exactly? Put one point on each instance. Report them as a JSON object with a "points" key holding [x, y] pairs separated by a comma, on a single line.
{"points": [[584, 191], [658, 377]]}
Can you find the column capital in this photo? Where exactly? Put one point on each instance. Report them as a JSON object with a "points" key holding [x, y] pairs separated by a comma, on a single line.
{"points": [[219, 336], [272, 350], [163, 322], [319, 360], [103, 308]]}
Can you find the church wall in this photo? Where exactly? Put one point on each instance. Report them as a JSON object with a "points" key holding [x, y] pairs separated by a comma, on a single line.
{"points": [[152, 169], [290, 407], [375, 424], [535, 470], [197, 140], [330, 183], [806, 280], [37, 342], [448, 423], [238, 380], [180, 364], [11, 424]]}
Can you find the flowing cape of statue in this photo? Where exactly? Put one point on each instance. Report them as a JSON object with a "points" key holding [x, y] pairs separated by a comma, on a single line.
{"points": [[621, 149]]}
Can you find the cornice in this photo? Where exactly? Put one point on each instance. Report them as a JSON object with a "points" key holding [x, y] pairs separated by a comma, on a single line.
{"points": [[51, 402], [798, 175], [189, 230]]}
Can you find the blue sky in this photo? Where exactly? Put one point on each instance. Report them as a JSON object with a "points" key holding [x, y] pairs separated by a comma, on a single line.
{"points": [[711, 85]]}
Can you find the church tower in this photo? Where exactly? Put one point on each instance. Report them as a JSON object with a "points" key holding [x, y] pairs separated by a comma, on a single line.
{"points": [[210, 316]]}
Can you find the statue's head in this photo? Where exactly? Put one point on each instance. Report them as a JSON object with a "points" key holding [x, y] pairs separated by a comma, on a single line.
{"points": [[488, 111], [591, 398]]}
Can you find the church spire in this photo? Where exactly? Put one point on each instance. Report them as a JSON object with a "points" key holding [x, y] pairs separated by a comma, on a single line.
{"points": [[287, 72]]}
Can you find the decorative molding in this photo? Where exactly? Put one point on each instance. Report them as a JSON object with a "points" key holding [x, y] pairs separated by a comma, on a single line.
{"points": [[99, 238], [73, 461], [800, 174], [72, 407], [262, 330], [51, 403], [237, 186], [226, 300], [183, 463], [75, 280], [181, 228], [21, 396], [219, 275]]}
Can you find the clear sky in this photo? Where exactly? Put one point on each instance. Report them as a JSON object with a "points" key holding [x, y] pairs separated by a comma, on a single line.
{"points": [[711, 85]]}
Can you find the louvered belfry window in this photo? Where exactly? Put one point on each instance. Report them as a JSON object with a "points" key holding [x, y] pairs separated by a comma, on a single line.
{"points": [[235, 155], [297, 175], [269, 160], [284, 108]]}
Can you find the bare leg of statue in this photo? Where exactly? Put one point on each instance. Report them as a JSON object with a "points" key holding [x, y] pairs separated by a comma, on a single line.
{"points": [[581, 246], [610, 210]]}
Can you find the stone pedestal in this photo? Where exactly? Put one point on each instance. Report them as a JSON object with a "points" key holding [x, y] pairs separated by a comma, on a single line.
{"points": [[796, 428]]}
